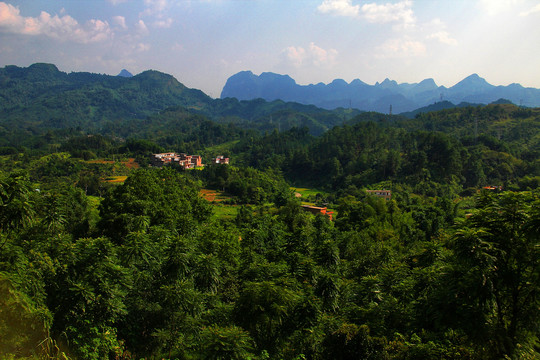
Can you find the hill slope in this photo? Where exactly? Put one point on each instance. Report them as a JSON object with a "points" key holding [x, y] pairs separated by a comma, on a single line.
{"points": [[42, 97]]}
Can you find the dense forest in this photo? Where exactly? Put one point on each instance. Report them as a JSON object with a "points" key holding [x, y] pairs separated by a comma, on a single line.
{"points": [[103, 256]]}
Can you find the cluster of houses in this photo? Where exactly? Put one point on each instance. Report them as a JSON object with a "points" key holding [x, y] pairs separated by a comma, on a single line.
{"points": [[183, 160]]}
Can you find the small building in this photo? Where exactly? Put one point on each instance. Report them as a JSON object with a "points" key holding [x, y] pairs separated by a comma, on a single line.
{"points": [[493, 187], [318, 210], [386, 194], [221, 160]]}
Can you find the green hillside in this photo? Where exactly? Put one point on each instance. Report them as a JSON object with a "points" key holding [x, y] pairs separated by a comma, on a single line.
{"points": [[41, 97]]}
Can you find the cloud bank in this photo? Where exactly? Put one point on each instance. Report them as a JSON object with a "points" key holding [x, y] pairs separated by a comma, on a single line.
{"points": [[376, 13], [63, 28], [312, 56]]}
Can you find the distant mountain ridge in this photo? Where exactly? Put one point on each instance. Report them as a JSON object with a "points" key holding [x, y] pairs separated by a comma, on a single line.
{"points": [[125, 73], [357, 94], [41, 97]]}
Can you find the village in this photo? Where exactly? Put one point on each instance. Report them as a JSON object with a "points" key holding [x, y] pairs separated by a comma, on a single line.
{"points": [[183, 160]]}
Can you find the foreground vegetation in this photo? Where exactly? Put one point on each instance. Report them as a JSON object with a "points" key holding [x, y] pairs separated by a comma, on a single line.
{"points": [[153, 275], [102, 256]]}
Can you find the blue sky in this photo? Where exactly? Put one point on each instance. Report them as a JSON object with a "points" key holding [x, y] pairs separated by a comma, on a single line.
{"points": [[203, 42]]}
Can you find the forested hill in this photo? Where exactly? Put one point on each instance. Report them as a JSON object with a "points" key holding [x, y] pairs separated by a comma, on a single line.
{"points": [[463, 148], [57, 99], [40, 97]]}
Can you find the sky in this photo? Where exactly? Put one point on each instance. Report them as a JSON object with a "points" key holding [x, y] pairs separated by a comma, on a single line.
{"points": [[203, 42]]}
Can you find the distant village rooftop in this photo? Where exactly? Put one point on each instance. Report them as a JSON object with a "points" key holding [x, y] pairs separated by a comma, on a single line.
{"points": [[387, 194], [221, 160], [318, 210]]}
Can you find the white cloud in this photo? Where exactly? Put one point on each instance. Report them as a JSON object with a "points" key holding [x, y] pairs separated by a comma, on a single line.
{"points": [[157, 5], [436, 30], [142, 47], [116, 2], [384, 13], [97, 30], [63, 28], [155, 8], [401, 48], [443, 37], [322, 57], [120, 21], [163, 23], [494, 7], [140, 28], [295, 55], [400, 12], [339, 7], [313, 55], [9, 16], [158, 10], [534, 9]]}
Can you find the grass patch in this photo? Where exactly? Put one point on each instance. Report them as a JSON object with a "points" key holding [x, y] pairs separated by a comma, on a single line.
{"points": [[214, 195], [305, 192], [221, 212], [129, 163], [100, 162], [221, 147]]}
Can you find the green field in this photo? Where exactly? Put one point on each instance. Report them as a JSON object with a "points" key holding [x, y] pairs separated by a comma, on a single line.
{"points": [[305, 192], [221, 148], [224, 211]]}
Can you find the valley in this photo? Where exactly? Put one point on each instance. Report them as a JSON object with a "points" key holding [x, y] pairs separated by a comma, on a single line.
{"points": [[327, 234]]}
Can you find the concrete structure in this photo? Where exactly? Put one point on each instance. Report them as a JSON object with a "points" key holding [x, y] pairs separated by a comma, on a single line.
{"points": [[387, 194], [221, 160]]}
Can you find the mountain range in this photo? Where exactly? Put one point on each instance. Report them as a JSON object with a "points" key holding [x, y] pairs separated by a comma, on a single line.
{"points": [[40, 97], [380, 97]]}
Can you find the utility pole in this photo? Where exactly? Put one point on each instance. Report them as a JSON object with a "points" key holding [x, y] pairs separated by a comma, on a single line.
{"points": [[475, 129]]}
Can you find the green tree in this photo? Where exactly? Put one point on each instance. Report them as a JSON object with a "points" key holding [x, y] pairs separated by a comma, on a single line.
{"points": [[224, 343], [162, 196], [17, 202], [498, 272]]}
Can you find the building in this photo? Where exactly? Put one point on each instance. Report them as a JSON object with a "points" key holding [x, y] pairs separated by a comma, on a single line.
{"points": [[170, 158], [221, 160], [318, 210], [387, 194], [493, 187]]}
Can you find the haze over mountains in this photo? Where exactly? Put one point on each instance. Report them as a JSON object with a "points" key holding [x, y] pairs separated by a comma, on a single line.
{"points": [[357, 94], [41, 97]]}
